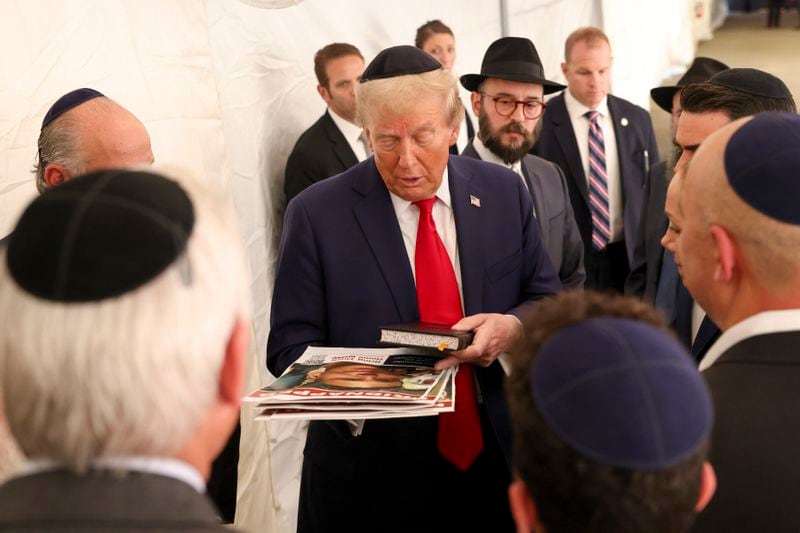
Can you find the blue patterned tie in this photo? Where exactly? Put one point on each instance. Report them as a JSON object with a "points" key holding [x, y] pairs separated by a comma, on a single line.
{"points": [[598, 184]]}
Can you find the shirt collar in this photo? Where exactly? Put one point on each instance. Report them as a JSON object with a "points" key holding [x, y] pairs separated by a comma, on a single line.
{"points": [[350, 131], [577, 109], [164, 466], [758, 324], [443, 194]]}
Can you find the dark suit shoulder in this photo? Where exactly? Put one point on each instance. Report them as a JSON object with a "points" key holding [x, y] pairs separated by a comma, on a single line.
{"points": [[481, 172], [625, 106], [102, 500], [310, 139], [542, 167]]}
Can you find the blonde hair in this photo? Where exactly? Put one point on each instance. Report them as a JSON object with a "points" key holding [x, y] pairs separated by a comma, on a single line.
{"points": [[129, 375], [591, 35], [389, 97]]}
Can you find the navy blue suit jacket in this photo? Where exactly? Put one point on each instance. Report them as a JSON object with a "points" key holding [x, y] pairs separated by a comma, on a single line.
{"points": [[343, 272], [637, 150]]}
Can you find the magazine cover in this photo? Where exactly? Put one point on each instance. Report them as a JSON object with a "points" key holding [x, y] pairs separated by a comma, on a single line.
{"points": [[337, 375], [351, 383]]}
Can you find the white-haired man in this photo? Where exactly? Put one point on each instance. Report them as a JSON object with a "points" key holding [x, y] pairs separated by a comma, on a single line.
{"points": [[737, 254], [410, 234], [126, 396]]}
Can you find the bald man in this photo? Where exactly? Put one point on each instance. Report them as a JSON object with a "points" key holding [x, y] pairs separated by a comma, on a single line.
{"points": [[737, 253], [85, 131]]}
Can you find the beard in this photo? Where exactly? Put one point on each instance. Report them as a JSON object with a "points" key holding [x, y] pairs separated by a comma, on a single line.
{"points": [[509, 153]]}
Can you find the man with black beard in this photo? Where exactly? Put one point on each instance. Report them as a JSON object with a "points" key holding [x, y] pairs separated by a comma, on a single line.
{"points": [[507, 98]]}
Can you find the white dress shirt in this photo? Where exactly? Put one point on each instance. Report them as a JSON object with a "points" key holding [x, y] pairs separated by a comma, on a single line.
{"points": [[758, 324], [352, 134], [445, 221], [580, 125]]}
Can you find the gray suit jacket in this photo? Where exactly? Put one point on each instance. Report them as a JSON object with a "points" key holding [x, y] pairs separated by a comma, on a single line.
{"points": [[555, 217], [103, 501]]}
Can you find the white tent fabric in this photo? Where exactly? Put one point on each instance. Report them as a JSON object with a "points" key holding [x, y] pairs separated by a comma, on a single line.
{"points": [[225, 88]]}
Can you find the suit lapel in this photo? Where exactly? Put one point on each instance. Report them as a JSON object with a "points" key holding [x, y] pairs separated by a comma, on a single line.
{"points": [[562, 126], [469, 229], [537, 195], [377, 219], [340, 146]]}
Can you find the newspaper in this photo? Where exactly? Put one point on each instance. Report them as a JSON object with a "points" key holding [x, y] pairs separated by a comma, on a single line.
{"points": [[350, 383]]}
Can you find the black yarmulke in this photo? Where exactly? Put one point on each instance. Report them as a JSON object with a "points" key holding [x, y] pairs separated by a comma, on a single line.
{"points": [[762, 160], [99, 236], [399, 61], [67, 102], [752, 81]]}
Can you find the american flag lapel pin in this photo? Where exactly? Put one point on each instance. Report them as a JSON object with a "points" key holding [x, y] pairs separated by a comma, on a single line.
{"points": [[474, 200]]}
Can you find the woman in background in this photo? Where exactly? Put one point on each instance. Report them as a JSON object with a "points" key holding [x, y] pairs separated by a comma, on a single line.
{"points": [[436, 38]]}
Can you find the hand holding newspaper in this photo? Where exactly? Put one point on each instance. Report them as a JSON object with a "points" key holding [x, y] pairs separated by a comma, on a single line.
{"points": [[349, 383]]}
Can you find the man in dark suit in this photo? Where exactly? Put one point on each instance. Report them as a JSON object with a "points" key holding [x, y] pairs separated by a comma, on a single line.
{"points": [[606, 363], [605, 181], [410, 234], [738, 256], [648, 254], [333, 143], [508, 99], [728, 95], [126, 396]]}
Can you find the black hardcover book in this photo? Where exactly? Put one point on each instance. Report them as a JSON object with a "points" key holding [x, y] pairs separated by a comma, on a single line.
{"points": [[424, 335]]}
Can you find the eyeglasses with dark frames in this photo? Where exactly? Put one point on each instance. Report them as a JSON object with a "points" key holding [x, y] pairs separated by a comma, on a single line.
{"points": [[506, 106]]}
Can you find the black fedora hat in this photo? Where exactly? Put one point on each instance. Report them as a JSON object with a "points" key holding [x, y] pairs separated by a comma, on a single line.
{"points": [[513, 59], [701, 69]]}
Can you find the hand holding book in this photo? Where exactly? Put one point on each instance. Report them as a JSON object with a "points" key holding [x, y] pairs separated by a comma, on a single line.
{"points": [[494, 334]]}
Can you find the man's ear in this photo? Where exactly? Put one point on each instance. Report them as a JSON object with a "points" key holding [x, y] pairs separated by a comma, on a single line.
{"points": [[564, 69], [523, 508], [725, 254], [231, 376], [708, 485], [475, 99], [454, 134], [323, 92], [55, 174]]}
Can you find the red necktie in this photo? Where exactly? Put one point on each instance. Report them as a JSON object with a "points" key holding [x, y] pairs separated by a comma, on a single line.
{"points": [[460, 438]]}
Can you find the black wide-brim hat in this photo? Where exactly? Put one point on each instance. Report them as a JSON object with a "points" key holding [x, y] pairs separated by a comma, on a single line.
{"points": [[701, 69], [513, 59]]}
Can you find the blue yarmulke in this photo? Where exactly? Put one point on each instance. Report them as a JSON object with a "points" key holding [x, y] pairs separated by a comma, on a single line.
{"points": [[67, 102], [622, 393], [399, 61], [762, 159]]}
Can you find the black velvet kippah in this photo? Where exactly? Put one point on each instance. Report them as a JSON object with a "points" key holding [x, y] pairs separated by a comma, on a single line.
{"points": [[99, 236], [399, 61], [752, 81], [762, 159], [67, 102], [622, 393]]}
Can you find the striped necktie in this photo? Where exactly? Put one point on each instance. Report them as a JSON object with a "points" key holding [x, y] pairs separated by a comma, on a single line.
{"points": [[598, 184]]}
